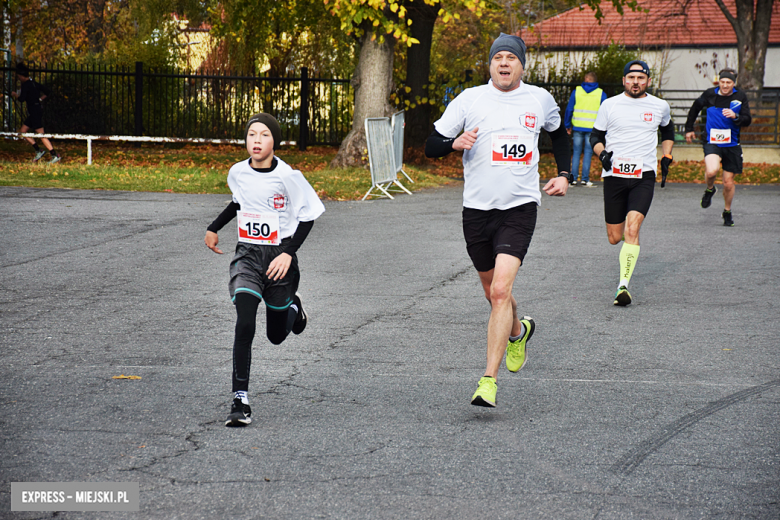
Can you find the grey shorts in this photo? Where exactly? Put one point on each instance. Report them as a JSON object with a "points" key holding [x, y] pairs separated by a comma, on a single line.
{"points": [[247, 274]]}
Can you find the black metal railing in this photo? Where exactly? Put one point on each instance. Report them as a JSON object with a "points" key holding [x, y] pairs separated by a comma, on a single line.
{"points": [[102, 100], [764, 129]]}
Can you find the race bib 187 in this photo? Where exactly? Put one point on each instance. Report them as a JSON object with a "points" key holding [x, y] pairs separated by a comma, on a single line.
{"points": [[258, 228], [720, 136], [627, 167], [511, 149]]}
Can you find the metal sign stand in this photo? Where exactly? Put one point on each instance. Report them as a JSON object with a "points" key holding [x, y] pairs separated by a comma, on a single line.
{"points": [[381, 158]]}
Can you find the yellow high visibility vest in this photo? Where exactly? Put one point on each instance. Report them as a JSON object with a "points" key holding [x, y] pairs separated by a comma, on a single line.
{"points": [[586, 106]]}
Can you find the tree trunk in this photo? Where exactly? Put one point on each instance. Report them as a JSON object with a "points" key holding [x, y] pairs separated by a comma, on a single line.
{"points": [[373, 82], [418, 69], [96, 32], [751, 25]]}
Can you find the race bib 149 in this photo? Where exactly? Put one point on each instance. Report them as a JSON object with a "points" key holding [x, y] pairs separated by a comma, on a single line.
{"points": [[511, 149]]}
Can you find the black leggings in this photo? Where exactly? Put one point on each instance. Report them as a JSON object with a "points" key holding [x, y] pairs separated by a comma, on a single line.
{"points": [[278, 326]]}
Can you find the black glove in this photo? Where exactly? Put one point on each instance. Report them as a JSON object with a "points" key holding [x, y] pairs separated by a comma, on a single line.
{"points": [[665, 162], [606, 160]]}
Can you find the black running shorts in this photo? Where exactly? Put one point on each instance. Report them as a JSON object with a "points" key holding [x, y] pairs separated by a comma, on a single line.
{"points": [[730, 156], [34, 121], [247, 274], [495, 231], [622, 195]]}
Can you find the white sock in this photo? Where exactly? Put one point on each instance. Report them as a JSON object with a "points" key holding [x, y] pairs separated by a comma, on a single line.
{"points": [[242, 395], [522, 333]]}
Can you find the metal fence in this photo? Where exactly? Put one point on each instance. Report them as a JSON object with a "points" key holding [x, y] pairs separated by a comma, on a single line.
{"points": [[764, 130], [102, 100]]}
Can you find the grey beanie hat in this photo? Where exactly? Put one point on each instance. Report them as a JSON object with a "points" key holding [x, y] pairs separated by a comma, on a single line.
{"points": [[507, 42], [272, 124]]}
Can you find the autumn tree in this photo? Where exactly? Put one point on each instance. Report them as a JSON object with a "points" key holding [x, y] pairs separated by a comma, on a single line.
{"points": [[751, 25], [276, 36], [378, 25], [59, 29]]}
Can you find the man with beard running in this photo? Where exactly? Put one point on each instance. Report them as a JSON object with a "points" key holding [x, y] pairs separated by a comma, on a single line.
{"points": [[625, 139]]}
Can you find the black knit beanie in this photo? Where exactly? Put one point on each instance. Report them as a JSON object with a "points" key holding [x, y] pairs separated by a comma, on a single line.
{"points": [[272, 124]]}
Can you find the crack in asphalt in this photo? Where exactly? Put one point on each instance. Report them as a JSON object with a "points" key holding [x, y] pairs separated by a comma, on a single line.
{"points": [[629, 462]]}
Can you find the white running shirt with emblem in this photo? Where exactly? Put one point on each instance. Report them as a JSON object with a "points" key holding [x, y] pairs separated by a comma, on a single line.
{"points": [[501, 170], [284, 191], [632, 128]]}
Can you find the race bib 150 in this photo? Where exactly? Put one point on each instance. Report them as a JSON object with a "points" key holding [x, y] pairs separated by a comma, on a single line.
{"points": [[258, 228], [511, 149]]}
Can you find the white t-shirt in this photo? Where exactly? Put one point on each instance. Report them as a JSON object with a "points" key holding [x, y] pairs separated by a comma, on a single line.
{"points": [[632, 132], [283, 191], [501, 170]]}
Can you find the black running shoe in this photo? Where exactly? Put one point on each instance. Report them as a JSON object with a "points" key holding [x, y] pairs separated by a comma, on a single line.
{"points": [[706, 200], [727, 220], [240, 414], [622, 296], [302, 318]]}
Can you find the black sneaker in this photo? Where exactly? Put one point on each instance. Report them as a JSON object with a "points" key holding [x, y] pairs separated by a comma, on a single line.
{"points": [[727, 220], [706, 200], [240, 414], [622, 296], [301, 319]]}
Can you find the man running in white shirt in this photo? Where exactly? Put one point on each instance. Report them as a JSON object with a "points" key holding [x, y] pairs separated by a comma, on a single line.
{"points": [[501, 123], [625, 139]]}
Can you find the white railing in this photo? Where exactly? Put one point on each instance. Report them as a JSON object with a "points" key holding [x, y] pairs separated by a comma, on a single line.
{"points": [[129, 138]]}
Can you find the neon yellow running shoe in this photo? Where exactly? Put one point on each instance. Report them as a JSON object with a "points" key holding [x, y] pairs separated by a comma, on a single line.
{"points": [[515, 350], [486, 393]]}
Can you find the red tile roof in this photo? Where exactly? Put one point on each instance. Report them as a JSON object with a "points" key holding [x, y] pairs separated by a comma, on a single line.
{"points": [[669, 23]]}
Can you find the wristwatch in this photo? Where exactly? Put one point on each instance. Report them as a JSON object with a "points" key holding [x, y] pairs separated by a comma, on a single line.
{"points": [[569, 176]]}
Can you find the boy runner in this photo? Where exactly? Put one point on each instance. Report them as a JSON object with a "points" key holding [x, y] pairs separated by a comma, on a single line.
{"points": [[276, 208]]}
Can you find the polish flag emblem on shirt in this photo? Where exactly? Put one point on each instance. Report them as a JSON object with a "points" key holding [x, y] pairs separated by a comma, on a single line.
{"points": [[647, 117], [278, 201], [529, 120]]}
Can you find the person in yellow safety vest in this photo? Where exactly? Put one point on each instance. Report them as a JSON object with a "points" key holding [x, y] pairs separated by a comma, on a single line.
{"points": [[580, 115]]}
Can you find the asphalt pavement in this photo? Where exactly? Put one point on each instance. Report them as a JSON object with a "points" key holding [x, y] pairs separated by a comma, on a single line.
{"points": [[667, 408]]}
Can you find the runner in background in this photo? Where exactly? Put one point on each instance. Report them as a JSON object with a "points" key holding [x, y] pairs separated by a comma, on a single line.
{"points": [[727, 112], [32, 93], [625, 138]]}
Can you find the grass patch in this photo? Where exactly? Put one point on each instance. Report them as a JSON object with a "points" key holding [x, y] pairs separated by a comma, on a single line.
{"points": [[185, 169]]}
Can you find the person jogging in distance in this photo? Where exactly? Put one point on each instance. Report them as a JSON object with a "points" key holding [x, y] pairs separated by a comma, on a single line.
{"points": [[32, 93], [727, 112]]}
